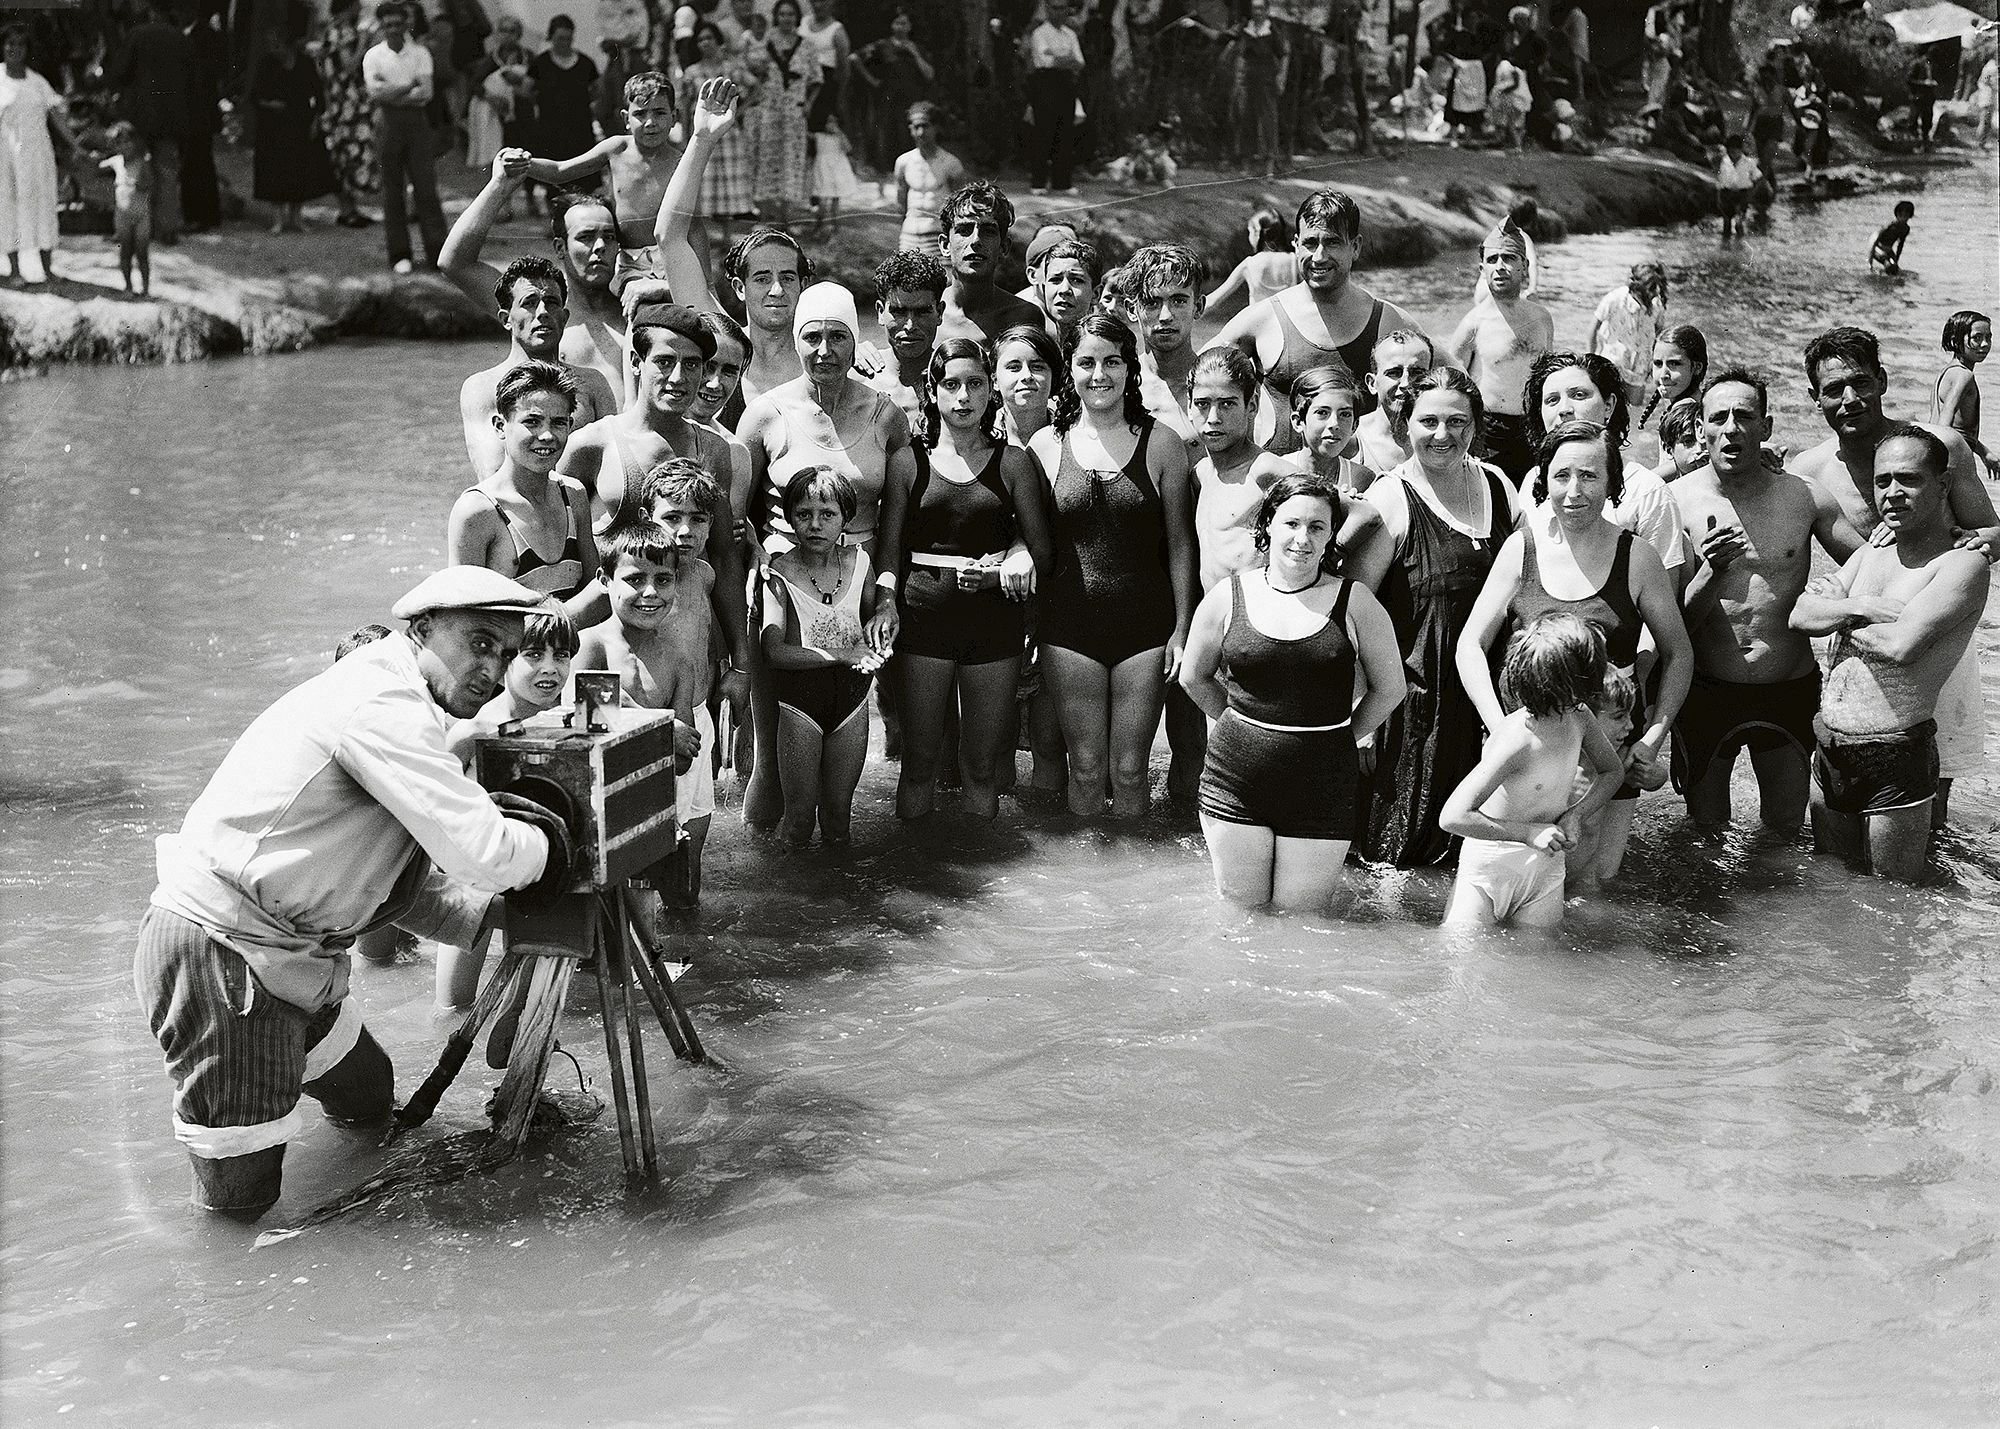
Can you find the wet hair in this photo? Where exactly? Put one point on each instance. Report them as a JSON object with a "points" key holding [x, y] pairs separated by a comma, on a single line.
{"points": [[549, 629], [978, 197], [1333, 377], [736, 263], [1682, 422], [1452, 379], [1692, 345], [647, 85], [1330, 209], [1067, 405], [1082, 252], [559, 22], [1958, 329], [533, 376], [1855, 346], [1554, 665], [1160, 266], [925, 109], [950, 350], [1233, 365], [1283, 490], [536, 269], [911, 271], [725, 328], [1604, 376], [366, 635], [560, 204], [1408, 336], [1269, 231], [1617, 695], [820, 481], [641, 540], [1906, 210], [1740, 375], [1562, 436], [683, 481], [1937, 456]]}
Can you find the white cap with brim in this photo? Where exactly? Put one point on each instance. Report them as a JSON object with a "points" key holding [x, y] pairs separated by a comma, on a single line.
{"points": [[826, 303], [469, 588]]}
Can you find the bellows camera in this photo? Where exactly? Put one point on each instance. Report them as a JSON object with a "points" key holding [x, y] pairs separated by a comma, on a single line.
{"points": [[606, 769]]}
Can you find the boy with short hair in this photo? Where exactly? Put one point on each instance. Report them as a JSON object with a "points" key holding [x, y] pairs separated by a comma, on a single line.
{"points": [[1887, 250], [1399, 359], [132, 204], [1499, 340], [1164, 288], [657, 638], [1516, 810], [1067, 285]]}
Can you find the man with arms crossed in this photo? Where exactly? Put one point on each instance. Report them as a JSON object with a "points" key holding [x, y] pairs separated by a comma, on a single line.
{"points": [[1323, 318], [340, 809], [1844, 365], [1756, 684], [1901, 614]]}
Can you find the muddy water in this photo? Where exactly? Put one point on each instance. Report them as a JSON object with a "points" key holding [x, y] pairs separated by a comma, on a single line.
{"points": [[1018, 1125]]}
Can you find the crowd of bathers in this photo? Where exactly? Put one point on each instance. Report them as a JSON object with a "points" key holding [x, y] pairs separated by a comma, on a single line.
{"points": [[1418, 600]]}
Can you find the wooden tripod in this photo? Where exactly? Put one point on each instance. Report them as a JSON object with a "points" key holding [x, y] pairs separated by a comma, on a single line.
{"points": [[544, 949]]}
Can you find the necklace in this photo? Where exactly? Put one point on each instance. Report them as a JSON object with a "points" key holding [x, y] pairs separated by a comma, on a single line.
{"points": [[826, 596], [1280, 590]]}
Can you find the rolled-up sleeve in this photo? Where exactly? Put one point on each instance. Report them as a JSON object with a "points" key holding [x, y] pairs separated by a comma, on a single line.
{"points": [[394, 748]]}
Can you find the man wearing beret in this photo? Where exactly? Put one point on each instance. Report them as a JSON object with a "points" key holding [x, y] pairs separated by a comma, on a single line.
{"points": [[340, 809]]}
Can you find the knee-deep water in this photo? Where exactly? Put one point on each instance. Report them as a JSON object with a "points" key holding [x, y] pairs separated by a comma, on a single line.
{"points": [[1018, 1125]]}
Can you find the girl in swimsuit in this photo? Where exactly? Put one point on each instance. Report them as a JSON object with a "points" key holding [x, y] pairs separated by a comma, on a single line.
{"points": [[1028, 366], [1569, 556], [1116, 609], [1968, 337], [822, 653], [1680, 363], [523, 521], [962, 631]]}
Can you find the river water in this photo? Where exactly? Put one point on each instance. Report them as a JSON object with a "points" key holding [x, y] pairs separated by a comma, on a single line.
{"points": [[1018, 1125]]}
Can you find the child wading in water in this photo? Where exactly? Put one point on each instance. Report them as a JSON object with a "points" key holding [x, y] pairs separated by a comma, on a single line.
{"points": [[1968, 337], [1517, 810], [132, 201], [1887, 250], [524, 521], [818, 599]]}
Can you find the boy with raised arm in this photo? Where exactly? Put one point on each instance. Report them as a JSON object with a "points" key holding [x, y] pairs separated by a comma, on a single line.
{"points": [[1498, 341], [1901, 616]]}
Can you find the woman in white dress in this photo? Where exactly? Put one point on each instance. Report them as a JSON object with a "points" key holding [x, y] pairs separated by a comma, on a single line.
{"points": [[31, 117]]}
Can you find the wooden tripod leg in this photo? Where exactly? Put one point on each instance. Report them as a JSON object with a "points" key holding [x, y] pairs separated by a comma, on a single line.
{"points": [[641, 1097], [607, 1012], [417, 1110], [674, 1020], [534, 1044]]}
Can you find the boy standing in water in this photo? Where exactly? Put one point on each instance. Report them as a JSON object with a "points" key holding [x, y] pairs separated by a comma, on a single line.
{"points": [[1901, 617], [1887, 250], [1498, 342], [657, 638], [1515, 810]]}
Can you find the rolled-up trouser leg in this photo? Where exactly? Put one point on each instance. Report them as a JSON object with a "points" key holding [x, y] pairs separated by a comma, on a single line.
{"points": [[240, 1057]]}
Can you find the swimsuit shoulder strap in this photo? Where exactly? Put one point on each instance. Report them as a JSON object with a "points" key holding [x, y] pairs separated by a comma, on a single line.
{"points": [[1136, 469], [1337, 616]]}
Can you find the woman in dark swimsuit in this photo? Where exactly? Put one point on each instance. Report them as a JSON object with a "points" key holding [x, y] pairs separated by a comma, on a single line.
{"points": [[1271, 659], [1115, 613], [1569, 556]]}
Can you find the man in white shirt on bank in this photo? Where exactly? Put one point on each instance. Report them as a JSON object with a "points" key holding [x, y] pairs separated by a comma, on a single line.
{"points": [[398, 76]]}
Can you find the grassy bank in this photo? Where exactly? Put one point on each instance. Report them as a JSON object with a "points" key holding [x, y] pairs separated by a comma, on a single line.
{"points": [[243, 290]]}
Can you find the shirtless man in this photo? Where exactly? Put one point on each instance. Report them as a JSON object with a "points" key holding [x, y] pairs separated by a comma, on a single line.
{"points": [[1844, 366], [976, 219], [1756, 684], [1902, 615], [1165, 287], [1383, 436], [768, 270], [719, 382], [1323, 318], [533, 299], [1498, 341], [909, 303]]}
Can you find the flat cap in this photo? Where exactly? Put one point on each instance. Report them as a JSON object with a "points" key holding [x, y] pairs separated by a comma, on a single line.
{"points": [[468, 588]]}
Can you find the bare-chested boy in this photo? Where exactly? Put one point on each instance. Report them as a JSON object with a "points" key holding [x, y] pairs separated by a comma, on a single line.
{"points": [[909, 303], [533, 298], [1844, 365], [768, 270], [1165, 287], [1498, 341], [1902, 615], [1756, 684], [1383, 435], [1324, 317], [976, 219], [657, 642]]}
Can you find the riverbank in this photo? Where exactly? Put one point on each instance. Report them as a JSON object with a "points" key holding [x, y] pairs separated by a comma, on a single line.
{"points": [[244, 290]]}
